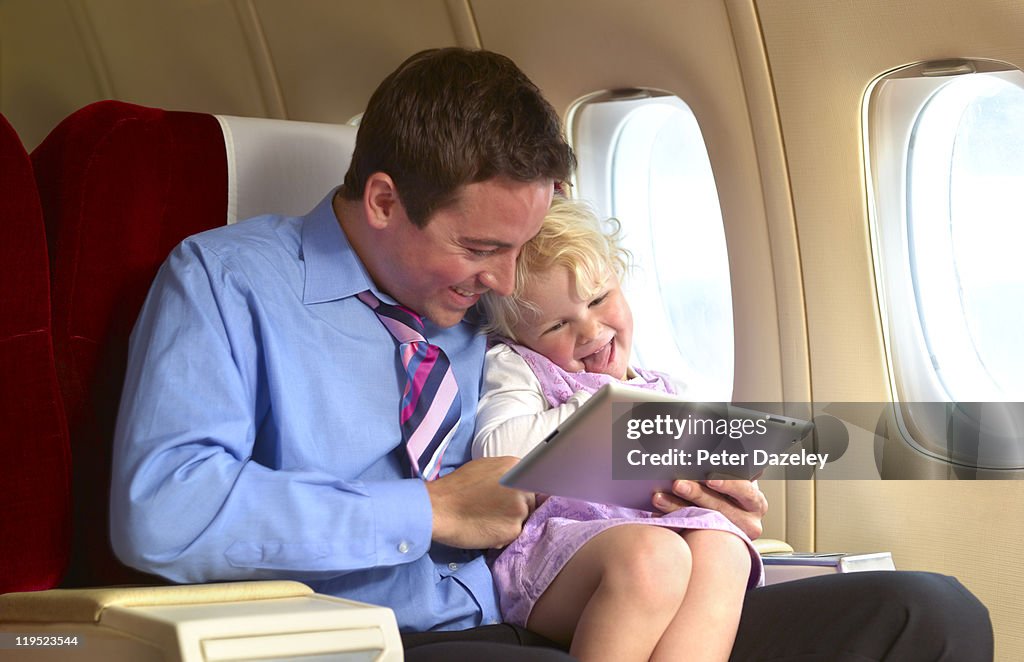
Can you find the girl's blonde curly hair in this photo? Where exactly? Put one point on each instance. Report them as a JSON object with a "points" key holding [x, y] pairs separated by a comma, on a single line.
{"points": [[572, 236]]}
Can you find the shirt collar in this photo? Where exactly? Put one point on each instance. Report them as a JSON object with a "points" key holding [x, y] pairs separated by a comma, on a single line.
{"points": [[333, 270]]}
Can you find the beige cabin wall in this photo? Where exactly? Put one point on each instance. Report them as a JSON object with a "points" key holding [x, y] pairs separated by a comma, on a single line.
{"points": [[822, 56], [968, 529], [689, 50]]}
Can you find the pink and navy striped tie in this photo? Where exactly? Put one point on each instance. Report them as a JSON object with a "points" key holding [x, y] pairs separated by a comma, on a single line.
{"points": [[431, 406]]}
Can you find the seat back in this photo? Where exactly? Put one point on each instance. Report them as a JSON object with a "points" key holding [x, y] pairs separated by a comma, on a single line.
{"points": [[121, 186], [35, 512], [282, 167]]}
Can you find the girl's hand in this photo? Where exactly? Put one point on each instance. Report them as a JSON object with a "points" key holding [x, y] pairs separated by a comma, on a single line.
{"points": [[741, 501]]}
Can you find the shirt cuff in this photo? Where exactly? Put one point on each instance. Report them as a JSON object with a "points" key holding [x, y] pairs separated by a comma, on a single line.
{"points": [[404, 520]]}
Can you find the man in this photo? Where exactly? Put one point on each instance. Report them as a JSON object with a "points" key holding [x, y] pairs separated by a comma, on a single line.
{"points": [[260, 432]]}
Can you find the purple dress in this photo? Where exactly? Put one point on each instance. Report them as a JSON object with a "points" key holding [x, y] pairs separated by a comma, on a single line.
{"points": [[561, 526]]}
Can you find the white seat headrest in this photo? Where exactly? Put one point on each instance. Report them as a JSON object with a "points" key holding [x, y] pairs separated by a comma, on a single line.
{"points": [[281, 166]]}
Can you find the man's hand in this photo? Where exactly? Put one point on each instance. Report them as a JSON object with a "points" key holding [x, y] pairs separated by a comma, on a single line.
{"points": [[741, 501], [472, 511]]}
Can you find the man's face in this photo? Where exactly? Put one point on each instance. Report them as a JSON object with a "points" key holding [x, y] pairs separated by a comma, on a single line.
{"points": [[466, 248]]}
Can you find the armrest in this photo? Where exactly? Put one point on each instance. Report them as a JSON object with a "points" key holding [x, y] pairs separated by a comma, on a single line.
{"points": [[771, 546], [209, 622]]}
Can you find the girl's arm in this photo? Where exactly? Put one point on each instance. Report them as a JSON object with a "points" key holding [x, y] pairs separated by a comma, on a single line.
{"points": [[513, 415]]}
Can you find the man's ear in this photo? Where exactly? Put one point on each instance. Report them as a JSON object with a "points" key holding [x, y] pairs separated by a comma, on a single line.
{"points": [[380, 200]]}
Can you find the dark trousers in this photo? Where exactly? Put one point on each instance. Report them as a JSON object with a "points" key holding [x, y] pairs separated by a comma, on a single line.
{"points": [[860, 617], [490, 643], [893, 616]]}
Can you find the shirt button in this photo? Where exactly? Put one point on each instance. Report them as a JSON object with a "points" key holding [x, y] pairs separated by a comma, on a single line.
{"points": [[403, 547], [453, 566]]}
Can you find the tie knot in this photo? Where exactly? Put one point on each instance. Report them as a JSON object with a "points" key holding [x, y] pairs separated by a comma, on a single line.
{"points": [[402, 323]]}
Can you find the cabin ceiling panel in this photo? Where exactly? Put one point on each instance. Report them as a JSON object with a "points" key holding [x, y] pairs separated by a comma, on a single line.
{"points": [[574, 47], [316, 60], [329, 56], [187, 55], [45, 68]]}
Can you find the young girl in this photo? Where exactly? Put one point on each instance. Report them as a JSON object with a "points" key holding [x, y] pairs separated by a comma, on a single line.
{"points": [[619, 584]]}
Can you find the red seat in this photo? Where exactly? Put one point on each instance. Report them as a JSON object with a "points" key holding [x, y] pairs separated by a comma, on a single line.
{"points": [[35, 518], [120, 185]]}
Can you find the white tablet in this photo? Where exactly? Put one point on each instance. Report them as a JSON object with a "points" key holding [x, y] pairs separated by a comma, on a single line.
{"points": [[625, 444]]}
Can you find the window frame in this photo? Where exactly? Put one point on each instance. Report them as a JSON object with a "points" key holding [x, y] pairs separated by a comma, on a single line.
{"points": [[595, 137], [892, 109]]}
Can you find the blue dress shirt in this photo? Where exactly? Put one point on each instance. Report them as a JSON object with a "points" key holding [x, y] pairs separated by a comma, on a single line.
{"points": [[258, 435]]}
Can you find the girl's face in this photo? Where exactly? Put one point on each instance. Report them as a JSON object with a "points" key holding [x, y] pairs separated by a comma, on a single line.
{"points": [[592, 335]]}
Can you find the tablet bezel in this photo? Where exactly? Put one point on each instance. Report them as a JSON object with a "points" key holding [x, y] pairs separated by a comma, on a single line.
{"points": [[575, 460]]}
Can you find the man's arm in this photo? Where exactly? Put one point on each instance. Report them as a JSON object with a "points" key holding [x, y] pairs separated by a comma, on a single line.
{"points": [[237, 457], [188, 500], [472, 511]]}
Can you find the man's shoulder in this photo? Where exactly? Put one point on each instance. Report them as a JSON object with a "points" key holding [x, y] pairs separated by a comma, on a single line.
{"points": [[257, 250], [268, 231]]}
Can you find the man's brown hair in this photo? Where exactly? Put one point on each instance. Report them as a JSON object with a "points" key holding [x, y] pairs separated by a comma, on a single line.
{"points": [[450, 117]]}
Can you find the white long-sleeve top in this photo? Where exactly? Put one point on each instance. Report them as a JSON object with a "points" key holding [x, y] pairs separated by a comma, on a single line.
{"points": [[513, 415]]}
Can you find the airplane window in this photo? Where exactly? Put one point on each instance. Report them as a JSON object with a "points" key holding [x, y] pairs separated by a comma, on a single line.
{"points": [[966, 226], [945, 157], [642, 159]]}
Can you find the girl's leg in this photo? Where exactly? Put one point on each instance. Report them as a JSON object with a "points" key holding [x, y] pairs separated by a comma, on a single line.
{"points": [[614, 599], [705, 626]]}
